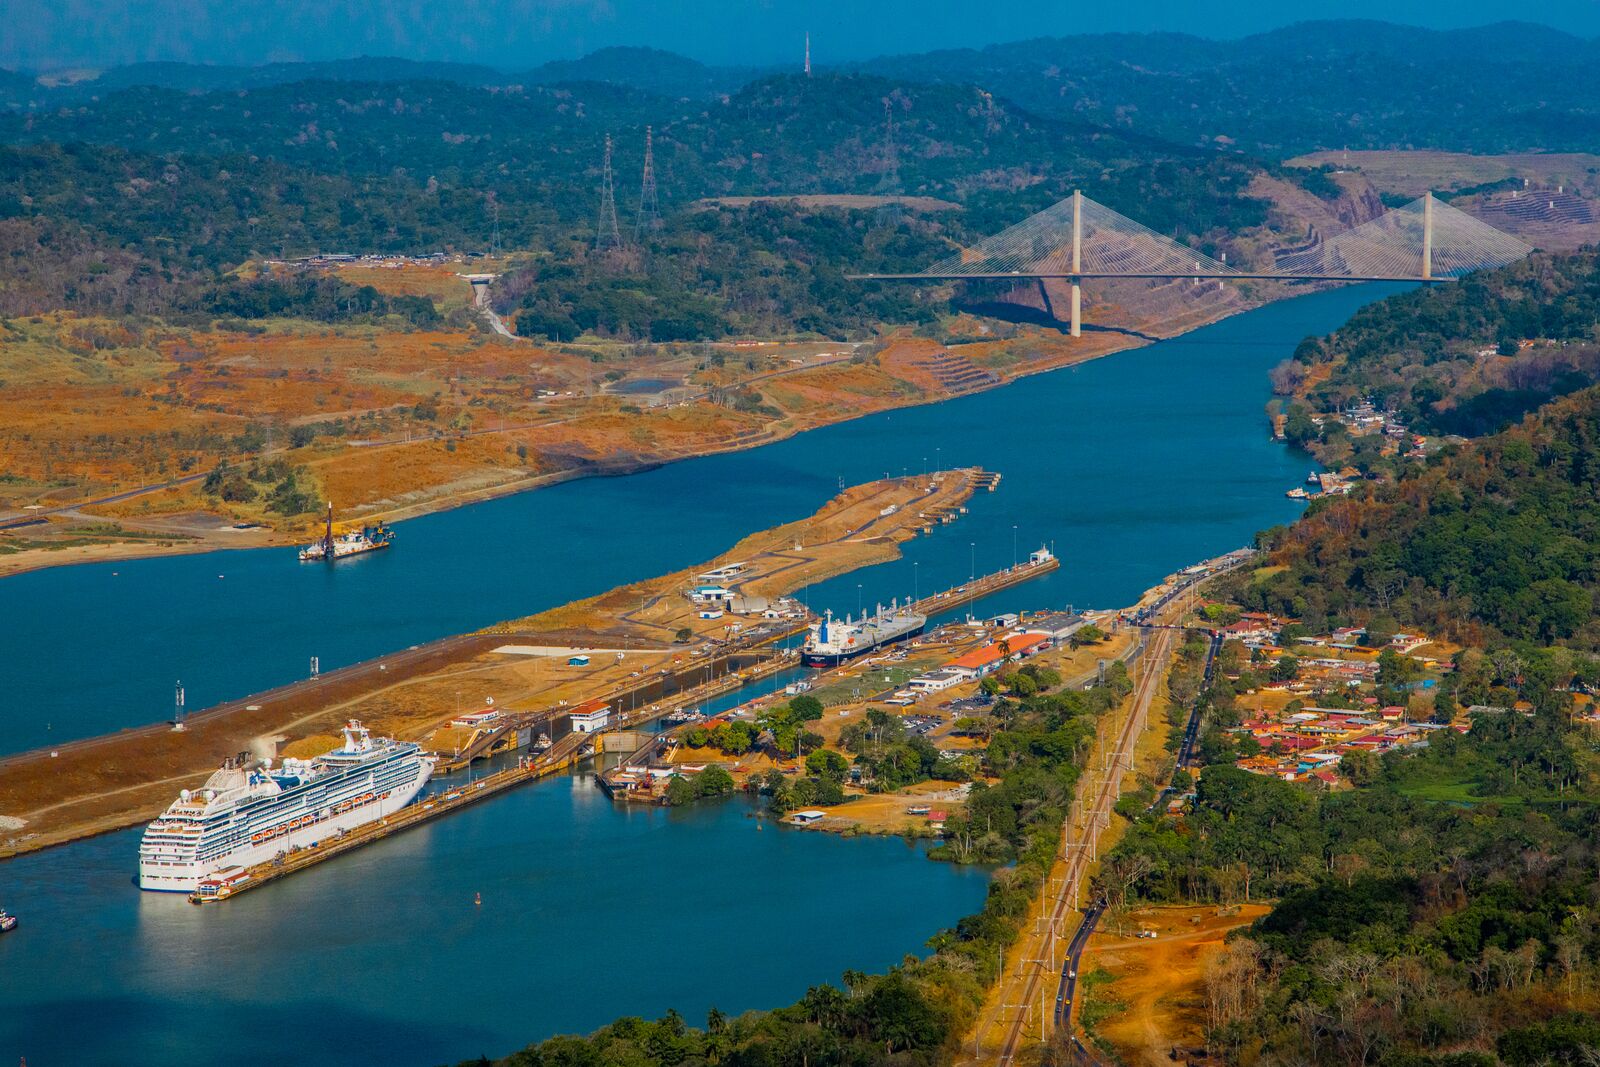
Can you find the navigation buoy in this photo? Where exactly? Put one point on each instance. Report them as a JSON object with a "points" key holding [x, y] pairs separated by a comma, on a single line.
{"points": [[477, 898]]}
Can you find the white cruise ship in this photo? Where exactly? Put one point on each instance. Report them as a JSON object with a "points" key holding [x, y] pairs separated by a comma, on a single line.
{"points": [[248, 812]]}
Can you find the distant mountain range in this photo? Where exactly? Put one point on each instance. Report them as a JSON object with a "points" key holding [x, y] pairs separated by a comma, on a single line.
{"points": [[1315, 85], [648, 69]]}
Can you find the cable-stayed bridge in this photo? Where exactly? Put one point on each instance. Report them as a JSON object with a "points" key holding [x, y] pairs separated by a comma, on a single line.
{"points": [[1079, 239]]}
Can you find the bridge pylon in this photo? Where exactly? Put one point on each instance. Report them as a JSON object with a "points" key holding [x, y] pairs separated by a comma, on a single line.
{"points": [[1077, 262], [1427, 235]]}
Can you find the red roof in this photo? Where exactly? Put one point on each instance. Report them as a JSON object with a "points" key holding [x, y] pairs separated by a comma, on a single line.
{"points": [[589, 707], [1017, 645]]}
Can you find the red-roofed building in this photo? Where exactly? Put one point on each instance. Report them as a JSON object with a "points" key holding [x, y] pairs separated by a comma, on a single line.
{"points": [[988, 659]]}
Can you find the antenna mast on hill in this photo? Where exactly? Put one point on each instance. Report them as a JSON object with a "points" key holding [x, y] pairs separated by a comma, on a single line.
{"points": [[607, 234], [649, 209]]}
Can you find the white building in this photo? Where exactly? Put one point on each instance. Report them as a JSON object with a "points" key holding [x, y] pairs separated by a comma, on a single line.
{"points": [[590, 717], [934, 681]]}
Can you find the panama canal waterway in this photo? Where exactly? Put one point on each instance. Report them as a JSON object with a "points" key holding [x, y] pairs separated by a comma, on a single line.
{"points": [[1130, 466]]}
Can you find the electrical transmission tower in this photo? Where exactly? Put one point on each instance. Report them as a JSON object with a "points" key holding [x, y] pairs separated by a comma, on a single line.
{"points": [[607, 234], [891, 158], [649, 208], [889, 214]]}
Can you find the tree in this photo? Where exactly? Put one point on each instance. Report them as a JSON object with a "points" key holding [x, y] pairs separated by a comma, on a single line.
{"points": [[683, 636], [1361, 768], [827, 764], [805, 708], [680, 791], [1087, 635], [734, 738], [1444, 704], [714, 781]]}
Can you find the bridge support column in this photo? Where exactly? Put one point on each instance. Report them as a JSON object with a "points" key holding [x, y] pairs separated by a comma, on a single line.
{"points": [[1427, 236], [1077, 262]]}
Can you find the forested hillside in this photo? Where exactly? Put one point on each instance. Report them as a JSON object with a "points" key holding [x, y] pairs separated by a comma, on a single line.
{"points": [[1315, 85], [781, 135], [766, 269], [130, 202], [1466, 358], [1406, 931], [1496, 541]]}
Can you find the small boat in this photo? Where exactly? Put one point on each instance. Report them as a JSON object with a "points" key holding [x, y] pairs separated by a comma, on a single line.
{"points": [[920, 809], [1297, 493], [8, 921]]}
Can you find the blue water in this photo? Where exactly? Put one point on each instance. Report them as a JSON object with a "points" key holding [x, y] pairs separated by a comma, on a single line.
{"points": [[381, 958], [1130, 466]]}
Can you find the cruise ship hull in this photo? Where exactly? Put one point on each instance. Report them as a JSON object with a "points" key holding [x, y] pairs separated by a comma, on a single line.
{"points": [[318, 826], [813, 658]]}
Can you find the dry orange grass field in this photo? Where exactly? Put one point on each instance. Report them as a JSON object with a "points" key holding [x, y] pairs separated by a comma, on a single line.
{"points": [[1161, 981]]}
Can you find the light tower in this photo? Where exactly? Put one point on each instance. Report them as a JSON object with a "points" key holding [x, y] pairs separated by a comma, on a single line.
{"points": [[808, 53], [177, 705], [649, 209], [607, 234]]}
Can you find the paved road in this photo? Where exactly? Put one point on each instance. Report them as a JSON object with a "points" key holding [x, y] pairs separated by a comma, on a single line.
{"points": [[127, 494]]}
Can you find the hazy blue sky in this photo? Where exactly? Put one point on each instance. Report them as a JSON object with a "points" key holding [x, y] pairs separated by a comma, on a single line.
{"points": [[513, 33]]}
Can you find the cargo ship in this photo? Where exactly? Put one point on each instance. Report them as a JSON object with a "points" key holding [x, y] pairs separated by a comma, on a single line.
{"points": [[250, 811], [829, 642], [330, 547]]}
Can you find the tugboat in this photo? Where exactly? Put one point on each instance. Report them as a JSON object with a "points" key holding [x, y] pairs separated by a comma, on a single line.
{"points": [[354, 543], [8, 921]]}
